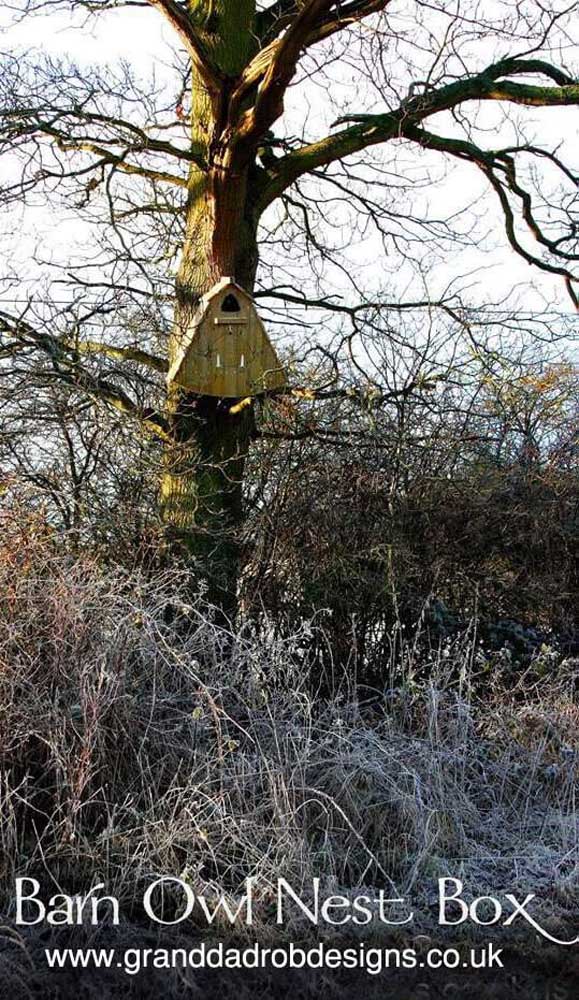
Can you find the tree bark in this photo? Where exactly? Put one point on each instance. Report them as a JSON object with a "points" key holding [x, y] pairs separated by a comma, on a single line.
{"points": [[201, 490]]}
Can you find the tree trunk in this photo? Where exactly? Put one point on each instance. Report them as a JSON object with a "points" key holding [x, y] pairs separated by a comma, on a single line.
{"points": [[201, 489]]}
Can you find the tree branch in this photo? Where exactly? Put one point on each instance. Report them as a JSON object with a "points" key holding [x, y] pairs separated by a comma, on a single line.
{"points": [[493, 164], [272, 69], [345, 15], [371, 130], [118, 162], [122, 354], [145, 143], [66, 368], [180, 21], [271, 22]]}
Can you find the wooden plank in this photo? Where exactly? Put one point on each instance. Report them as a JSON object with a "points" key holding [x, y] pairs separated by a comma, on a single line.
{"points": [[227, 338]]}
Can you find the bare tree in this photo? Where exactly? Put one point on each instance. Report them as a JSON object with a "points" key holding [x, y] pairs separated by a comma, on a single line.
{"points": [[224, 173]]}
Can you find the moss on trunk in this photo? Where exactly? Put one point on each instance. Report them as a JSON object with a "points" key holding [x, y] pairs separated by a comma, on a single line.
{"points": [[201, 488]]}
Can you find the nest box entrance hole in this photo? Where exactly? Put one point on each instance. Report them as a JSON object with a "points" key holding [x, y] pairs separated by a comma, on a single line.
{"points": [[230, 304]]}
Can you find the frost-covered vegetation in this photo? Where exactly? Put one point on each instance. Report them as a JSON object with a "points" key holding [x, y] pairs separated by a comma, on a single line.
{"points": [[139, 739]]}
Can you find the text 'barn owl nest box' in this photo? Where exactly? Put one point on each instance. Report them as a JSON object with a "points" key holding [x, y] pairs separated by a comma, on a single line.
{"points": [[226, 351]]}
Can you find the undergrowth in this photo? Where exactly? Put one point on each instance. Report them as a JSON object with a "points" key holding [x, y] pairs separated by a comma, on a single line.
{"points": [[138, 738]]}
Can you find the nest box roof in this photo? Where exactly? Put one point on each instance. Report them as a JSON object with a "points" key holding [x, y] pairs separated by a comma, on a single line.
{"points": [[221, 286]]}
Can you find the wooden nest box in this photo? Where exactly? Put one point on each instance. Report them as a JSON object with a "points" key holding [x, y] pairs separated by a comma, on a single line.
{"points": [[226, 351]]}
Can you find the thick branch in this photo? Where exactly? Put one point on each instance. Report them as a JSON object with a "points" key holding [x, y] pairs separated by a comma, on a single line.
{"points": [[66, 368], [122, 354], [118, 162], [274, 66], [371, 130], [538, 97], [179, 20], [271, 22], [344, 16]]}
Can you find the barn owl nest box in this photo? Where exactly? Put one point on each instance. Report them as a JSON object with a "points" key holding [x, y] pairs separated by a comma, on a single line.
{"points": [[226, 351]]}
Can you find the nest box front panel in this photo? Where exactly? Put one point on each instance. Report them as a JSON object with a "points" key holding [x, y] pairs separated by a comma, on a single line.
{"points": [[229, 353]]}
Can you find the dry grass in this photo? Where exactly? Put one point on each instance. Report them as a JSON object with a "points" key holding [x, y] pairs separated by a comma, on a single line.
{"points": [[133, 746]]}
